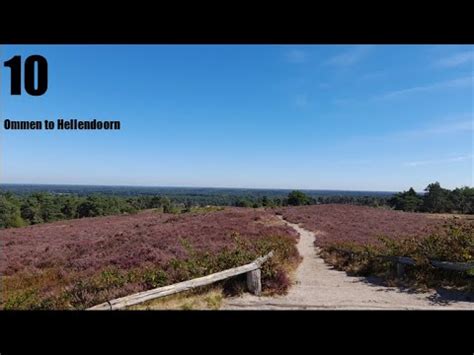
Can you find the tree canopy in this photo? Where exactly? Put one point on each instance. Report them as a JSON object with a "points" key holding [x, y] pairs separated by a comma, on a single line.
{"points": [[17, 210], [298, 198]]}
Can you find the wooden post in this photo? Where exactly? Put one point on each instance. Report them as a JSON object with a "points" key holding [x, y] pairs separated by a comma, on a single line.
{"points": [[254, 281], [400, 269]]}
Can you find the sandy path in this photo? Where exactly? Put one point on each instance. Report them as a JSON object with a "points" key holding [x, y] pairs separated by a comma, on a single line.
{"points": [[317, 286]]}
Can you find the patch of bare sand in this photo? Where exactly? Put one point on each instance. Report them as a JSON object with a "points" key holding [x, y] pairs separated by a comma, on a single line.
{"points": [[318, 286]]}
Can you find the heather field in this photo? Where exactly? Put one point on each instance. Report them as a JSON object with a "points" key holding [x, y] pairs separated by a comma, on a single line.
{"points": [[353, 238], [78, 263], [362, 225]]}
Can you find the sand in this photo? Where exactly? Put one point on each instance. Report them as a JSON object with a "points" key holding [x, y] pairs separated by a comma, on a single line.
{"points": [[318, 286]]}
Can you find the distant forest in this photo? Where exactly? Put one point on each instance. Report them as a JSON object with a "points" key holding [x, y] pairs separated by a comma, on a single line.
{"points": [[22, 205]]}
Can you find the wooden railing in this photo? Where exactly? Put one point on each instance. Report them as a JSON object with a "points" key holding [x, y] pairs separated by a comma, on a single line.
{"points": [[402, 261], [254, 284]]}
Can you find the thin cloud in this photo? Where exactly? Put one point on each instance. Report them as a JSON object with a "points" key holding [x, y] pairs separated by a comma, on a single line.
{"points": [[296, 56], [464, 125], [440, 161], [450, 84], [456, 60], [350, 57]]}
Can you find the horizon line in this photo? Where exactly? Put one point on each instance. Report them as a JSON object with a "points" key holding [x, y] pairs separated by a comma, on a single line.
{"points": [[191, 187]]}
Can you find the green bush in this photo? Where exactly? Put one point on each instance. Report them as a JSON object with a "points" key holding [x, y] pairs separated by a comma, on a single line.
{"points": [[454, 243]]}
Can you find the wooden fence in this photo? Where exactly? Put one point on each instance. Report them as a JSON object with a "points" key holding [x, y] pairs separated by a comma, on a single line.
{"points": [[254, 284], [402, 261]]}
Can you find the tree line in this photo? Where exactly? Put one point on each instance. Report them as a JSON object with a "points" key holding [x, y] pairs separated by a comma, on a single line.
{"points": [[41, 207], [436, 199], [17, 210]]}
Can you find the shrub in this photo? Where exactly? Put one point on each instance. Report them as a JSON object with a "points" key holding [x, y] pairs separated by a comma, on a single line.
{"points": [[454, 243], [76, 264]]}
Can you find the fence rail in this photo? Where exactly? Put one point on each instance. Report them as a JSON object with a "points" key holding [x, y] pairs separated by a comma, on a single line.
{"points": [[254, 284], [401, 261]]}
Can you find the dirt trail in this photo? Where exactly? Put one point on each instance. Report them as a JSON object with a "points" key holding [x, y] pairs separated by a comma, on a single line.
{"points": [[317, 286]]}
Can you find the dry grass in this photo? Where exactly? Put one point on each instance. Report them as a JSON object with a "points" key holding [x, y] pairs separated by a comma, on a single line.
{"points": [[207, 299]]}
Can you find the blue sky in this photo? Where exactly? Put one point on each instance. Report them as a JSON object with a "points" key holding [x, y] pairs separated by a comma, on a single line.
{"points": [[309, 117]]}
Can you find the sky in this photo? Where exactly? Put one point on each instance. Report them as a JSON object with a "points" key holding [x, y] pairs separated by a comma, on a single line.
{"points": [[344, 117]]}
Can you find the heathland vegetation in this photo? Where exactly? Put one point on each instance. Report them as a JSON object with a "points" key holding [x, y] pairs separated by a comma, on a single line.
{"points": [[76, 250], [354, 239], [79, 263], [24, 207]]}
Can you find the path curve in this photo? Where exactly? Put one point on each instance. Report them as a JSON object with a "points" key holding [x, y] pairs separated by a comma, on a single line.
{"points": [[318, 286]]}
